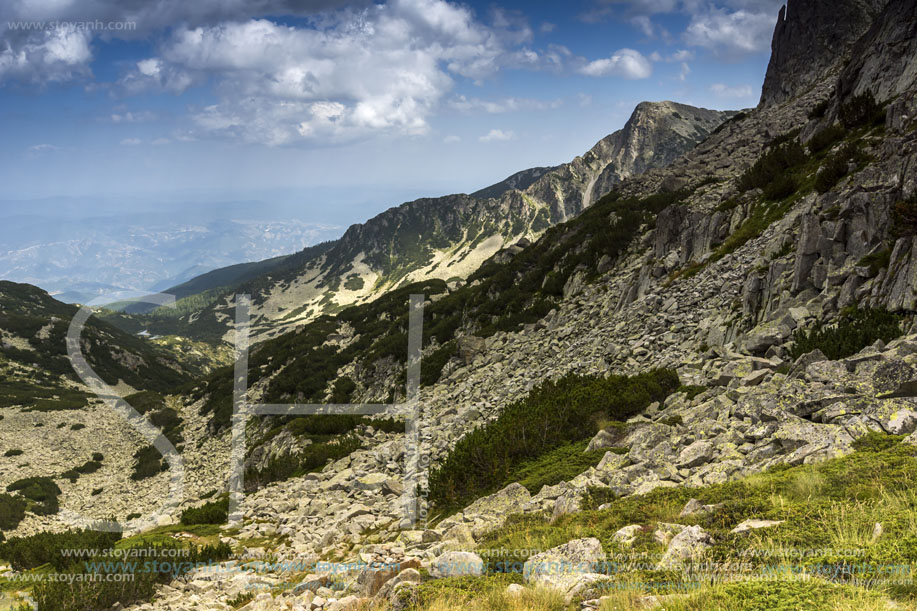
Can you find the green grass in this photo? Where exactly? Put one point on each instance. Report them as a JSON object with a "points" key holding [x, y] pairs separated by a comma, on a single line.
{"points": [[828, 509]]}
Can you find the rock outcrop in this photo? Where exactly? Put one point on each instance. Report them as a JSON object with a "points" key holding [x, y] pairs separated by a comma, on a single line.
{"points": [[810, 38]]}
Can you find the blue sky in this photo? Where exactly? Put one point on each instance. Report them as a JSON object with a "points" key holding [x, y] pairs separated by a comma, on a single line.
{"points": [[343, 108]]}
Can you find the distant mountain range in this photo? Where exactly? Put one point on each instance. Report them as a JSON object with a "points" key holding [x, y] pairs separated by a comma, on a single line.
{"points": [[446, 237], [78, 259]]}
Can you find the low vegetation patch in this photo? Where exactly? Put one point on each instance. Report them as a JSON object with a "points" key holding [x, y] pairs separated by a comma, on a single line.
{"points": [[40, 493], [147, 463], [12, 511], [853, 331], [560, 464], [313, 457], [214, 512], [861, 110], [554, 414], [904, 217], [775, 171], [824, 554]]}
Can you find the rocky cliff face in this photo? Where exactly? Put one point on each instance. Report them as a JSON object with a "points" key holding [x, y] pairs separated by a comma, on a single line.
{"points": [[449, 237], [810, 38]]}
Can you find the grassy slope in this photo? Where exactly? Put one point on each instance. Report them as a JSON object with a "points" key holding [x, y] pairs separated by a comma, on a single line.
{"points": [[824, 555]]}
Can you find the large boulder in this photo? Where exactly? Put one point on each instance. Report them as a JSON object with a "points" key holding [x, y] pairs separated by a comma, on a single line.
{"points": [[696, 454], [456, 564], [570, 568], [689, 545]]}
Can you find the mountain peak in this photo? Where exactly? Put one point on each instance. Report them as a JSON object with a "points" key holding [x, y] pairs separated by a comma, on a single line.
{"points": [[810, 38]]}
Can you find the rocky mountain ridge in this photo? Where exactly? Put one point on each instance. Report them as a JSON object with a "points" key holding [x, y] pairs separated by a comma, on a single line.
{"points": [[449, 237]]}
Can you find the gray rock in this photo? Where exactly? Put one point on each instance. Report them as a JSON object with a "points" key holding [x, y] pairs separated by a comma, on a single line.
{"points": [[457, 563], [697, 453], [687, 546]]}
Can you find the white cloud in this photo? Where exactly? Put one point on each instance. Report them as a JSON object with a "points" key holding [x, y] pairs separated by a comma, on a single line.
{"points": [[497, 135], [131, 142], [644, 24], [140, 116], [451, 139], [727, 27], [626, 63], [684, 72], [160, 141], [53, 55], [731, 34], [382, 69], [547, 27], [37, 150], [468, 105], [725, 91]]}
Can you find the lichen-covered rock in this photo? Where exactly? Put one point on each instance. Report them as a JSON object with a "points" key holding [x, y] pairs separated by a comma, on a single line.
{"points": [[687, 546]]}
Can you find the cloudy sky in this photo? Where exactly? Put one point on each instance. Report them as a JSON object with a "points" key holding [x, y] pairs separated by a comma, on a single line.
{"points": [[251, 98]]}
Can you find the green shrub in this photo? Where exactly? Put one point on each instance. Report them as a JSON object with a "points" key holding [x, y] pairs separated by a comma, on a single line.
{"points": [[214, 512], [86, 592], [861, 110], [835, 168], [78, 426], [24, 553], [818, 111], [12, 511], [672, 420], [851, 333], [904, 217], [773, 167], [41, 491], [826, 138], [876, 261], [10, 453], [781, 187], [147, 463], [153, 406], [552, 415], [562, 463], [310, 458]]}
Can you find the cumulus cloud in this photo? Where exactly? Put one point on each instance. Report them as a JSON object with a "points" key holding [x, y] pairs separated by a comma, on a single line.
{"points": [[385, 68], [131, 142], [726, 27], [626, 63], [497, 135], [738, 91], [50, 41], [731, 34], [54, 55]]}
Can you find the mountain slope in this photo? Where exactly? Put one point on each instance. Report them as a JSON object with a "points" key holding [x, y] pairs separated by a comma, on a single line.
{"points": [[33, 353], [448, 237], [518, 181]]}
